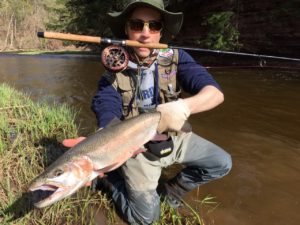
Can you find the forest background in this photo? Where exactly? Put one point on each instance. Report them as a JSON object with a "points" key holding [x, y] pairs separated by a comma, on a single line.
{"points": [[265, 27]]}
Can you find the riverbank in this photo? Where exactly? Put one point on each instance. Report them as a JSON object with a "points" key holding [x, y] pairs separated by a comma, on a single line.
{"points": [[209, 60], [30, 139], [62, 50]]}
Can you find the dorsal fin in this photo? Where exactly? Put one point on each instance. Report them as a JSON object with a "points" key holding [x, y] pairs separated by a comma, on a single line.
{"points": [[113, 122]]}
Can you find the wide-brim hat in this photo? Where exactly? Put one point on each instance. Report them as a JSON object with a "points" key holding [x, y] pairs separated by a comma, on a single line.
{"points": [[172, 21]]}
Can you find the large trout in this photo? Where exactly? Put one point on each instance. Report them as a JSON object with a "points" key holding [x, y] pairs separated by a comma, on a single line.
{"points": [[99, 153]]}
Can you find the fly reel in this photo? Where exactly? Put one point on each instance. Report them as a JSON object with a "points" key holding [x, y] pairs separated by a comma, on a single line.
{"points": [[114, 58]]}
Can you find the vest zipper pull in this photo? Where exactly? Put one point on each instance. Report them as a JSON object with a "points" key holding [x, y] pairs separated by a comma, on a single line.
{"points": [[170, 89]]}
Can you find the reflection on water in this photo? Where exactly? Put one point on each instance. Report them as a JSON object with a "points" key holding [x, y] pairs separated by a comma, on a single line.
{"points": [[67, 79], [258, 124]]}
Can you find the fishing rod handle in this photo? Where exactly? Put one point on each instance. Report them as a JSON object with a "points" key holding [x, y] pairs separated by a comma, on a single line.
{"points": [[98, 40], [69, 37]]}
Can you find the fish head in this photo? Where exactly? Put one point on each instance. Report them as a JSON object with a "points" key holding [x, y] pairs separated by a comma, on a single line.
{"points": [[62, 180]]}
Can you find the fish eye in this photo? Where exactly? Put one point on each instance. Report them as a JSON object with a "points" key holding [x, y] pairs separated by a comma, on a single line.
{"points": [[58, 172]]}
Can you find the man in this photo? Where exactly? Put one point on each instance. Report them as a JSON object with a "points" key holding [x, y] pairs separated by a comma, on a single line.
{"points": [[153, 79]]}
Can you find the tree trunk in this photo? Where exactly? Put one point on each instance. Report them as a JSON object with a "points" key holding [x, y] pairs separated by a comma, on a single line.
{"points": [[8, 31]]}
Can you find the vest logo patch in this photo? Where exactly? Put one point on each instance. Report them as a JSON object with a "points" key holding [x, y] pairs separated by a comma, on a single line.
{"points": [[165, 57], [168, 76], [166, 53]]}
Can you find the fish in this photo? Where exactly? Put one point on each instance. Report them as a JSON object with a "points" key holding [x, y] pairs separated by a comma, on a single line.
{"points": [[101, 152]]}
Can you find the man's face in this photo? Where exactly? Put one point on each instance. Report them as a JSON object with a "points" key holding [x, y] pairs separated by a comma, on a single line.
{"points": [[150, 33]]}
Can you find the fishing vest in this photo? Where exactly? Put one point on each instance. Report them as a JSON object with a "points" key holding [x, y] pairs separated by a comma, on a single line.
{"points": [[125, 83]]}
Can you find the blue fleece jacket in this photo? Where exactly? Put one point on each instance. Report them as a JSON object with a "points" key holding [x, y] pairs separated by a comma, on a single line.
{"points": [[191, 76]]}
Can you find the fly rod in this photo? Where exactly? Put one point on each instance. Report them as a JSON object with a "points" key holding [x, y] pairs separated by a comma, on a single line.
{"points": [[114, 57]]}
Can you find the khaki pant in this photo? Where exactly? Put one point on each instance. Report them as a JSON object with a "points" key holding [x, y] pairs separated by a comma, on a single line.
{"points": [[137, 198]]}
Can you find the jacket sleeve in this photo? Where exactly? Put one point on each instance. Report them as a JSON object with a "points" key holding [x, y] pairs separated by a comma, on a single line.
{"points": [[107, 103], [192, 76]]}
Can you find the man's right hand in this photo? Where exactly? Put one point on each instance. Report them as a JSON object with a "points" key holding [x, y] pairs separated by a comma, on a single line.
{"points": [[173, 115], [72, 141]]}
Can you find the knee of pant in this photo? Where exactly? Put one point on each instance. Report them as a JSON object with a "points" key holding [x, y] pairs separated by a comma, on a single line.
{"points": [[225, 164], [145, 207], [144, 217]]}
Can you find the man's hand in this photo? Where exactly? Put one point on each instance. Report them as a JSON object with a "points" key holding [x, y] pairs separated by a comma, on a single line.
{"points": [[173, 115], [72, 141]]}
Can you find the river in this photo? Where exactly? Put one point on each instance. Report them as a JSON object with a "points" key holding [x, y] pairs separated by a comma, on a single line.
{"points": [[258, 124]]}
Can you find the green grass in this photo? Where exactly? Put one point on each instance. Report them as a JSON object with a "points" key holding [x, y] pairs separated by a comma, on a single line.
{"points": [[30, 137]]}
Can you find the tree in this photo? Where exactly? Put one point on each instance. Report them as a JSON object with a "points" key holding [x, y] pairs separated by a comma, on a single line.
{"points": [[20, 20], [222, 34]]}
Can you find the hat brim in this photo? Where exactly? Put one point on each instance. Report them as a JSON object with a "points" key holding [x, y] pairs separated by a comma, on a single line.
{"points": [[172, 21]]}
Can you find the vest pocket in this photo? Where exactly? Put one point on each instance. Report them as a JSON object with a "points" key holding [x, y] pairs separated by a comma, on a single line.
{"points": [[126, 93], [128, 103]]}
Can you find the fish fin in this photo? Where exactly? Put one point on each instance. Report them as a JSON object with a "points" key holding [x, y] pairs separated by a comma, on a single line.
{"points": [[113, 122], [99, 129], [98, 173]]}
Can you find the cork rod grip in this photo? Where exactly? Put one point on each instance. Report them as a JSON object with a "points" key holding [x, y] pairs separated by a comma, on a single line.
{"points": [[98, 40], [69, 37]]}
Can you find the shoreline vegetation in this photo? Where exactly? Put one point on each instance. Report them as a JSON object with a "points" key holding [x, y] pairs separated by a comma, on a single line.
{"points": [[73, 50], [211, 25], [208, 61], [30, 137]]}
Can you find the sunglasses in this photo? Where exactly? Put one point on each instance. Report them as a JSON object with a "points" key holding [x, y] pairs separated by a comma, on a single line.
{"points": [[138, 25]]}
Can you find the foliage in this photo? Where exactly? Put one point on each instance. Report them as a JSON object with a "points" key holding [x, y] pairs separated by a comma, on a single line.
{"points": [[20, 20], [290, 8], [85, 17], [82, 17], [60, 16], [222, 34]]}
